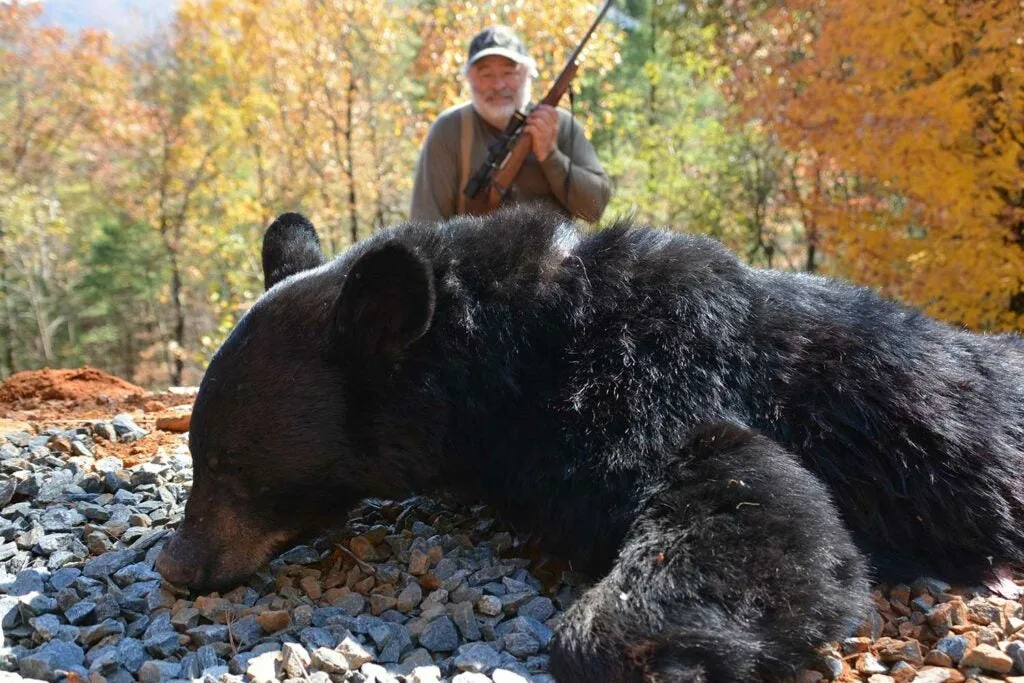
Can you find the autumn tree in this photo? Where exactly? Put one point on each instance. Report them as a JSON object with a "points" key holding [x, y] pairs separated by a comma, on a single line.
{"points": [[167, 152], [907, 117], [49, 100]]}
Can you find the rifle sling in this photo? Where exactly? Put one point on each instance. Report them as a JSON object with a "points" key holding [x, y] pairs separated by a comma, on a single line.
{"points": [[465, 145]]}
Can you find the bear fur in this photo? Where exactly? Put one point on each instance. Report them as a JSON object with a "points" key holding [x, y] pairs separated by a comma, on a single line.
{"points": [[568, 379]]}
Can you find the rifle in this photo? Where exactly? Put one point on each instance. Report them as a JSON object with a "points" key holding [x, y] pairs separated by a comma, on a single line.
{"points": [[505, 156]]}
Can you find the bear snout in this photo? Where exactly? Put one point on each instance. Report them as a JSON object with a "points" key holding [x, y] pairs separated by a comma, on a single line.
{"points": [[177, 562]]}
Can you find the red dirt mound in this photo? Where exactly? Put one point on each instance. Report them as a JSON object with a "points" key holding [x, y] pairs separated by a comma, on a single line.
{"points": [[64, 385]]}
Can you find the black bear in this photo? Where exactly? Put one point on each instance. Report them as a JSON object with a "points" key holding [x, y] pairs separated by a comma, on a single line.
{"points": [[734, 567], [560, 376]]}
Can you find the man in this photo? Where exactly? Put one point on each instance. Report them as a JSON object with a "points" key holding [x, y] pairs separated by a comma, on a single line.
{"points": [[500, 76]]}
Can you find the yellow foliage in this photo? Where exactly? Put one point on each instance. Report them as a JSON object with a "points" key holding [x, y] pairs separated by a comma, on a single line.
{"points": [[921, 103]]}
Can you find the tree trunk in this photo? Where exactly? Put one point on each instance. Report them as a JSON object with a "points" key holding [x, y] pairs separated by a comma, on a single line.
{"points": [[811, 266], [8, 321], [178, 364], [350, 96]]}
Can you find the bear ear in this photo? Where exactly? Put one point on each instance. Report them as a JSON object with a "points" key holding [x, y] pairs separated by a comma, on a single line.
{"points": [[290, 245], [386, 303]]}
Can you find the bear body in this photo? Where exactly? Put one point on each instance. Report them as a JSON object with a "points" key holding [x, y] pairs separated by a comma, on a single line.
{"points": [[733, 569], [560, 375]]}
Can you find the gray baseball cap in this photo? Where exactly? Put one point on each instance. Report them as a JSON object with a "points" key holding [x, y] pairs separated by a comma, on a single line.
{"points": [[501, 41]]}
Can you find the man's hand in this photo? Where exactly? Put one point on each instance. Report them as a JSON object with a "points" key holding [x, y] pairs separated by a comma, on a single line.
{"points": [[542, 125]]}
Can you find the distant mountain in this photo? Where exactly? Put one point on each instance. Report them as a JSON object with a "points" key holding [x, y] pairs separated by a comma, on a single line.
{"points": [[126, 19]]}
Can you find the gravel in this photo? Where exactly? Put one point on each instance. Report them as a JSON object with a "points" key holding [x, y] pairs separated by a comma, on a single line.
{"points": [[415, 591]]}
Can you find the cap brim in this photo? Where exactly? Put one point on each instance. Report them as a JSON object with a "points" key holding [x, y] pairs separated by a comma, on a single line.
{"points": [[503, 52]]}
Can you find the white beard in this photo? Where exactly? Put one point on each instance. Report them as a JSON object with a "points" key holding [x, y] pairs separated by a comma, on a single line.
{"points": [[498, 114]]}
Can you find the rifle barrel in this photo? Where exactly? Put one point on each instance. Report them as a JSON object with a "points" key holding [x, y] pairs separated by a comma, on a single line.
{"points": [[579, 48]]}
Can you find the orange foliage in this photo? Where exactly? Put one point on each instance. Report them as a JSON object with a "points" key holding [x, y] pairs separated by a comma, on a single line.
{"points": [[910, 116]]}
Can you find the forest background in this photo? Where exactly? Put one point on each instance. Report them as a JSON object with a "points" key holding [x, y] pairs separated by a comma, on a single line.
{"points": [[880, 141]]}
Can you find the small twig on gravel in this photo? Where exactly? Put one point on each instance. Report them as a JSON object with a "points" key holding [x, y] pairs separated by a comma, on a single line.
{"points": [[229, 617]]}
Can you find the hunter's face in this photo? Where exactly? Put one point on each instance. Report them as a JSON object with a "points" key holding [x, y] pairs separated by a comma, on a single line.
{"points": [[499, 87]]}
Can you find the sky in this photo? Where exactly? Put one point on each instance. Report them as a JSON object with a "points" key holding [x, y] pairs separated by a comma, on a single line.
{"points": [[126, 19]]}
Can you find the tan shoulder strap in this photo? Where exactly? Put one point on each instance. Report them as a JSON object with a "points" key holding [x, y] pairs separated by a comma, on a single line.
{"points": [[466, 143]]}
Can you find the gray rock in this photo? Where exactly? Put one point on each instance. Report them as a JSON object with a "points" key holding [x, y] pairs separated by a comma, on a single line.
{"points": [[246, 631], [954, 646], [156, 671], [462, 615], [106, 607], [302, 554], [521, 645], [492, 573], [135, 572], [418, 657], [93, 634], [540, 632], [132, 654], [52, 543], [62, 578], [28, 581], [126, 429], [137, 627], [162, 644], [315, 637], [37, 603], [160, 623], [104, 430], [539, 608], [835, 667], [399, 643], [53, 657], [208, 634], [46, 625], [538, 664], [351, 605], [1015, 650], [7, 489], [61, 519], [410, 597], [440, 635], [477, 657], [159, 599], [52, 488], [103, 658], [194, 664], [108, 563], [9, 612]]}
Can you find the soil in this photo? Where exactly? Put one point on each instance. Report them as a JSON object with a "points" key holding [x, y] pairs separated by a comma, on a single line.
{"points": [[80, 396], [64, 385]]}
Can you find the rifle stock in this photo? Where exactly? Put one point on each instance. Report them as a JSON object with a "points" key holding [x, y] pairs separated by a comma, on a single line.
{"points": [[501, 179]]}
